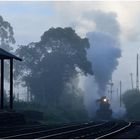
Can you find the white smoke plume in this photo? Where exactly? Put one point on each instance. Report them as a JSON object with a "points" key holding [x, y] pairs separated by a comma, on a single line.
{"points": [[104, 53]]}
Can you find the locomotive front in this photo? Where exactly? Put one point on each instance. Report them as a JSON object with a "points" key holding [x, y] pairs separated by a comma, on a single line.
{"points": [[103, 112]]}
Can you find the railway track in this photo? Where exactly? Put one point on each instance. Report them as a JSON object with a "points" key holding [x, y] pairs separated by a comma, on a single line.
{"points": [[115, 131], [96, 131], [74, 132], [8, 131], [69, 131], [48, 132], [5, 132]]}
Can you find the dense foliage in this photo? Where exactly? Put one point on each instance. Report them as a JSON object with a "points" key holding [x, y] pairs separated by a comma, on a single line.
{"points": [[6, 40], [131, 99], [6, 35], [50, 68]]}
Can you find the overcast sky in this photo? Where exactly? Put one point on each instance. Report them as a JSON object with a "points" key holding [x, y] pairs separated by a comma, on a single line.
{"points": [[31, 19]]}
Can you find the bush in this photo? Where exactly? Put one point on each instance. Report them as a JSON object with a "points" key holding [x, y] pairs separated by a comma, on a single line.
{"points": [[131, 99]]}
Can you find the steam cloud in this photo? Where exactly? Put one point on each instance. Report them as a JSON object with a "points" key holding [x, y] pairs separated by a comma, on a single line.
{"points": [[104, 51], [103, 54]]}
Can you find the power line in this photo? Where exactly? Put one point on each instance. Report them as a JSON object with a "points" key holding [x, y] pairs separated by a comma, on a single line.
{"points": [[120, 93], [137, 73], [111, 88]]}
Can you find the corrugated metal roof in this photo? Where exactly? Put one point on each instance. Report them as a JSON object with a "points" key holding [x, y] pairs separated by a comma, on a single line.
{"points": [[6, 55]]}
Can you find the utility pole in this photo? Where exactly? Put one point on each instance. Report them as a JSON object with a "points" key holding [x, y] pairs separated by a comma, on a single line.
{"points": [[111, 89], [108, 92], [137, 73], [120, 93], [131, 74], [117, 92], [18, 96]]}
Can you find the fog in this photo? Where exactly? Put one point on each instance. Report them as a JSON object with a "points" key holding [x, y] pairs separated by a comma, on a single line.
{"points": [[68, 66]]}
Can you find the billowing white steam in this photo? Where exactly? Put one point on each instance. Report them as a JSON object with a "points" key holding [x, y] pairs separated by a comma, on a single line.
{"points": [[104, 53]]}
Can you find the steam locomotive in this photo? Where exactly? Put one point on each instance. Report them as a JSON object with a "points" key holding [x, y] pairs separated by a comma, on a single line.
{"points": [[103, 112]]}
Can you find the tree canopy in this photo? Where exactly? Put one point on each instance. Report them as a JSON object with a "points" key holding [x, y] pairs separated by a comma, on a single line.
{"points": [[50, 64], [131, 99], [6, 35], [6, 41]]}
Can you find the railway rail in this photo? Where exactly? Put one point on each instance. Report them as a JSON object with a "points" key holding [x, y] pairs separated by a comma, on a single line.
{"points": [[47, 131], [109, 134], [73, 132], [101, 130]]}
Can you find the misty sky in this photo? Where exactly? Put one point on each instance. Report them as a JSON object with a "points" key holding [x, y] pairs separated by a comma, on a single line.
{"points": [[31, 19]]}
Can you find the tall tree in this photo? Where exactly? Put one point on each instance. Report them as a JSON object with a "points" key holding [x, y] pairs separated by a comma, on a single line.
{"points": [[52, 62], [6, 41], [6, 35]]}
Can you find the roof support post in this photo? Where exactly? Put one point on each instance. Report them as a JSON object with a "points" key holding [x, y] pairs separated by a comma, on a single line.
{"points": [[11, 83], [2, 84]]}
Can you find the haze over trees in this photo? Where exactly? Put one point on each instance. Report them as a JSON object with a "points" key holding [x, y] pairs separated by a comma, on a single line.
{"points": [[131, 100], [7, 41], [51, 67], [6, 35]]}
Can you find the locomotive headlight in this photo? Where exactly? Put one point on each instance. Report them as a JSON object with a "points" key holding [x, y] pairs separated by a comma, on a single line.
{"points": [[105, 100]]}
